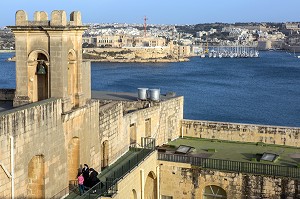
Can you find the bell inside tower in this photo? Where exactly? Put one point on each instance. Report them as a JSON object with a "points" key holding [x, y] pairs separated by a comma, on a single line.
{"points": [[42, 77]]}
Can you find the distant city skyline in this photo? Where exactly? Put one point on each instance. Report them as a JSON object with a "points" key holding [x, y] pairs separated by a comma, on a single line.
{"points": [[160, 12]]}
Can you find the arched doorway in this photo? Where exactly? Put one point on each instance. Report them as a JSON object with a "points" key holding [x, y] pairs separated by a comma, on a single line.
{"points": [[133, 194], [73, 158], [150, 186], [72, 77], [214, 192], [36, 178], [105, 154]]}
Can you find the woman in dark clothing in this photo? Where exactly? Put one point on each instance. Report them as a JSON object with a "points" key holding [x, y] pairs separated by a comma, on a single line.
{"points": [[85, 173], [93, 177]]}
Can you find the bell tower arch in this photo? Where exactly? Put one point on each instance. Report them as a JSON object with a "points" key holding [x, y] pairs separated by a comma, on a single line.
{"points": [[49, 59]]}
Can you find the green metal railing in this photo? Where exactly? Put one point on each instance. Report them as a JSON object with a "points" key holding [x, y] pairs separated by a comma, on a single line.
{"points": [[108, 187], [235, 166], [72, 188]]}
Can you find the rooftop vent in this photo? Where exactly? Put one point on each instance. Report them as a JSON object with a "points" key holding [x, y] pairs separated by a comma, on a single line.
{"points": [[270, 157], [183, 149]]}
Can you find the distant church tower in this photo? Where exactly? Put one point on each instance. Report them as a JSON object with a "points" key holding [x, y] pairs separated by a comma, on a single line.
{"points": [[49, 59]]}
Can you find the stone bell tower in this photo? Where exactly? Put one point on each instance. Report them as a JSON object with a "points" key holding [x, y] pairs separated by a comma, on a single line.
{"points": [[49, 59]]}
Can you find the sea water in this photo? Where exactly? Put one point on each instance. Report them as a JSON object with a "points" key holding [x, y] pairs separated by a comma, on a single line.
{"points": [[264, 90]]}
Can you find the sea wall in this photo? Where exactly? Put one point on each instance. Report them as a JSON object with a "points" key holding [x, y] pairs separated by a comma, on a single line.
{"points": [[241, 132]]}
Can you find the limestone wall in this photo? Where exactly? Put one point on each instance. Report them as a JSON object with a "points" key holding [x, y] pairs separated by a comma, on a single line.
{"points": [[82, 124], [171, 115], [7, 94], [137, 120], [242, 132], [37, 131], [165, 118], [49, 146], [110, 122], [181, 181]]}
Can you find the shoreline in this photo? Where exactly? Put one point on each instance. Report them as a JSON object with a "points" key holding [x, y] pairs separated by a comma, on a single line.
{"points": [[7, 51], [138, 60]]}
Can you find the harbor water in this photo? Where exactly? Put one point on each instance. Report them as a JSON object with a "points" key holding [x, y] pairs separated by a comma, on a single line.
{"points": [[263, 90]]}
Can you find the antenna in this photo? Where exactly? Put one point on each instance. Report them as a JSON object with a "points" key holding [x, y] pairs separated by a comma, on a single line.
{"points": [[145, 25]]}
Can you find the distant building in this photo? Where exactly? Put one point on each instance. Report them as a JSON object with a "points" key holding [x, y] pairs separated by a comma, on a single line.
{"points": [[292, 26], [119, 41]]}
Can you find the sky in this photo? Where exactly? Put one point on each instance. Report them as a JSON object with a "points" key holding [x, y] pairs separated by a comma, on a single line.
{"points": [[159, 11]]}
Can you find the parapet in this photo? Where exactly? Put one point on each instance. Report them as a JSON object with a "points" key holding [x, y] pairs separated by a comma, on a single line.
{"points": [[58, 19]]}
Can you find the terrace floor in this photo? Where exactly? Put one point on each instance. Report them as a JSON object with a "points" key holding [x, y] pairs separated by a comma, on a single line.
{"points": [[238, 151]]}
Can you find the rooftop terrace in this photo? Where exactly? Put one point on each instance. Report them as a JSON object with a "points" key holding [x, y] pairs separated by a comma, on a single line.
{"points": [[239, 151], [235, 156]]}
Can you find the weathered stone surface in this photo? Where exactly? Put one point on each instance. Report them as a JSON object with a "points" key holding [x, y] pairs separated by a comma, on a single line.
{"points": [[242, 132], [181, 181], [21, 18], [58, 18]]}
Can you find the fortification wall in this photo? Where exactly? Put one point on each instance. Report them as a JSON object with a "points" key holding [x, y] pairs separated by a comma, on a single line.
{"points": [[164, 118], [181, 181], [137, 120], [37, 131], [110, 124], [81, 127], [242, 132], [171, 115]]}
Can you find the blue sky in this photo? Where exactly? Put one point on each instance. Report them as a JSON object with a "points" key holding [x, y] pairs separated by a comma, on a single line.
{"points": [[160, 11]]}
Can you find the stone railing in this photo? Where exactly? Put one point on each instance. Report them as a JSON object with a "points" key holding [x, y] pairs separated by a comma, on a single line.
{"points": [[241, 132]]}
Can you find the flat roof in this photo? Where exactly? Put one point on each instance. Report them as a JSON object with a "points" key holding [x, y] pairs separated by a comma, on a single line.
{"points": [[239, 151], [122, 96]]}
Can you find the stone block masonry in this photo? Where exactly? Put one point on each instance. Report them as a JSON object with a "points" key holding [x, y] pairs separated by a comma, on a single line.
{"points": [[242, 132], [35, 129], [183, 181]]}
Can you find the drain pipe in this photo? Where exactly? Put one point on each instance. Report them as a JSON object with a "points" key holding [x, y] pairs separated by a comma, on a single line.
{"points": [[12, 167], [10, 175]]}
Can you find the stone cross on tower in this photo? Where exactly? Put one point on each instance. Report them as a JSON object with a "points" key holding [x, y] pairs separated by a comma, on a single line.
{"points": [[49, 59]]}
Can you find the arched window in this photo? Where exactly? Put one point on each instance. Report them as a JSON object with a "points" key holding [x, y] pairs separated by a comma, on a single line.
{"points": [[214, 192]]}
